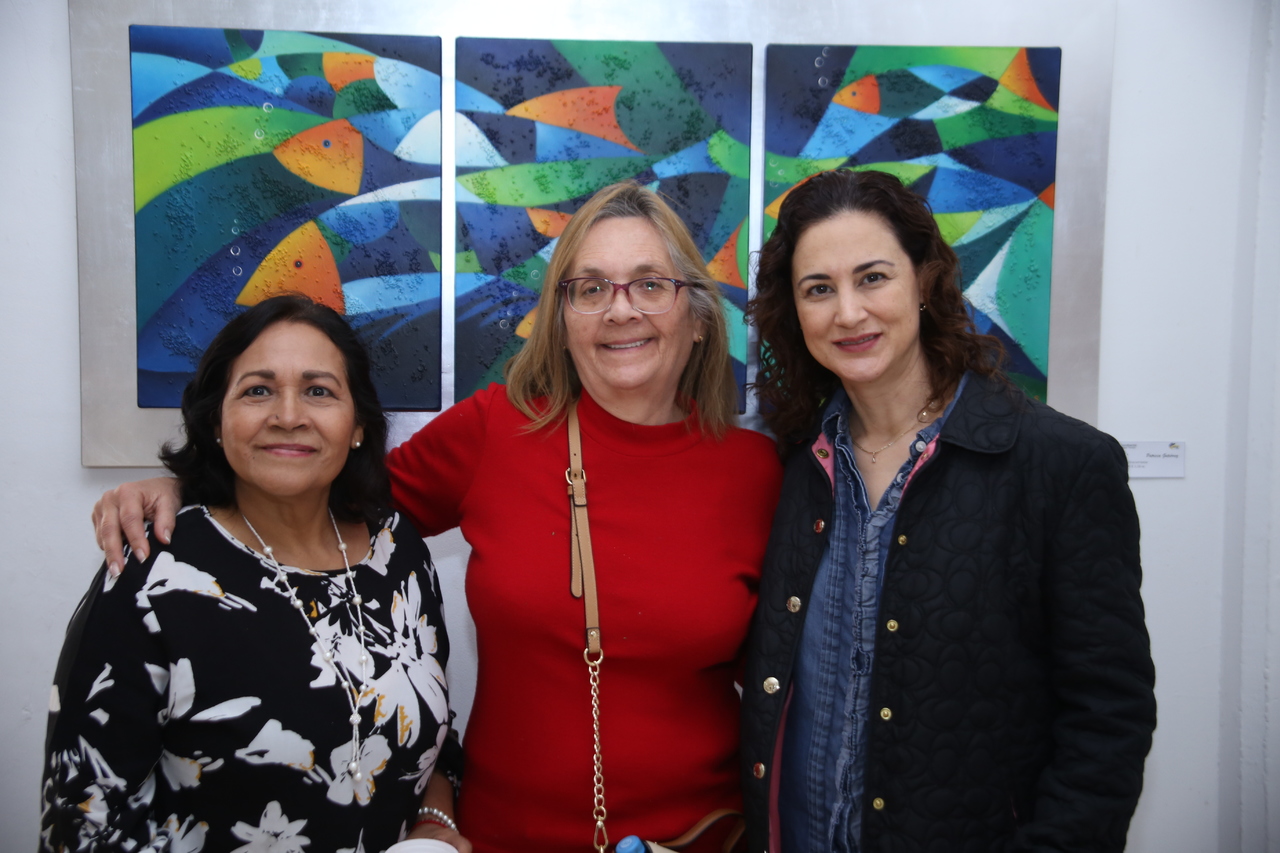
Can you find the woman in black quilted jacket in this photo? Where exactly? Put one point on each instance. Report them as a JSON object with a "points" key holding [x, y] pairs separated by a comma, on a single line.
{"points": [[949, 652]]}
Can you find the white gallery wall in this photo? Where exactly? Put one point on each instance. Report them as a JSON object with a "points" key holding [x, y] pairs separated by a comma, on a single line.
{"points": [[1190, 312]]}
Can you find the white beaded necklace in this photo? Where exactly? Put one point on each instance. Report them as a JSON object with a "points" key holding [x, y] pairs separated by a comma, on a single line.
{"points": [[353, 695]]}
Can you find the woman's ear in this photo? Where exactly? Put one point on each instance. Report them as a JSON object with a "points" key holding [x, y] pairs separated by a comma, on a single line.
{"points": [[357, 438]]}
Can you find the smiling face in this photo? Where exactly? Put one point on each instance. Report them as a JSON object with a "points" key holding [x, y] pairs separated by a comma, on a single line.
{"points": [[288, 420], [858, 301], [630, 362]]}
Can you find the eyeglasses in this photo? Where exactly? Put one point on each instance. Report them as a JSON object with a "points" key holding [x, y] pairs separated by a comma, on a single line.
{"points": [[648, 295]]}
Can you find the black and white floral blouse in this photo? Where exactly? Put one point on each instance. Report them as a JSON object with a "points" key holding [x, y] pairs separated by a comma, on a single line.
{"points": [[192, 710]]}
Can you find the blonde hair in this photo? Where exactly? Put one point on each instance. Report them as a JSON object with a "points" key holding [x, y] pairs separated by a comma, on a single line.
{"points": [[544, 368]]}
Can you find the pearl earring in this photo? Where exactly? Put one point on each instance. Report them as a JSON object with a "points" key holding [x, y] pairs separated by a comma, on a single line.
{"points": [[356, 446], [219, 441]]}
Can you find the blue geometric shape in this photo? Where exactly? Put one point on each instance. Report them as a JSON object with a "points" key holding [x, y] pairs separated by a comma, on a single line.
{"points": [[386, 129], [153, 75], [362, 223], [944, 77], [692, 159], [954, 191], [514, 139], [211, 90], [524, 68], [408, 86], [390, 291], [1046, 68], [1029, 160], [843, 131], [201, 45], [793, 81], [561, 143], [905, 140], [311, 93], [715, 70], [473, 100], [383, 169], [502, 237]]}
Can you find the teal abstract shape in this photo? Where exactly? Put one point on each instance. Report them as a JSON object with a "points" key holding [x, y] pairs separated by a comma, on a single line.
{"points": [[736, 206], [1023, 291], [185, 226], [275, 42]]}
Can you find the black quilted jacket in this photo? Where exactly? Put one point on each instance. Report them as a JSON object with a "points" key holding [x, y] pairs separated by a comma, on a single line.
{"points": [[1012, 701]]}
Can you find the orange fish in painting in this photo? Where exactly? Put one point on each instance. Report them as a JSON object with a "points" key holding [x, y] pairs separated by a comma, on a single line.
{"points": [[330, 155], [301, 263]]}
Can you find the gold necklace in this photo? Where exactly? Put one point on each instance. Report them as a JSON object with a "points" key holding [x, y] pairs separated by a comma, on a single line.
{"points": [[922, 417]]}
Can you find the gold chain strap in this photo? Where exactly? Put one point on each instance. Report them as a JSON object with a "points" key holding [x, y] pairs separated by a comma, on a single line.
{"points": [[582, 584], [601, 838]]}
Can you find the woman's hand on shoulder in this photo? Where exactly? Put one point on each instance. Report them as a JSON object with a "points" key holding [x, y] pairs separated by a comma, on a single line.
{"points": [[440, 833], [122, 513]]}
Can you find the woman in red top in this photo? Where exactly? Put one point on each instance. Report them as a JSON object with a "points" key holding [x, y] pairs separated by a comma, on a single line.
{"points": [[680, 504]]}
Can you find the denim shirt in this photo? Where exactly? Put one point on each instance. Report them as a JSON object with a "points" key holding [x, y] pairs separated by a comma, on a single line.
{"points": [[820, 792]]}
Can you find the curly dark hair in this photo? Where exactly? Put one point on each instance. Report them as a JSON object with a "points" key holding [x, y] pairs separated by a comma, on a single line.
{"points": [[362, 489], [791, 384]]}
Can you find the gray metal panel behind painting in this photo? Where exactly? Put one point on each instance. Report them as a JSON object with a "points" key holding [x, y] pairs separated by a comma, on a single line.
{"points": [[115, 432]]}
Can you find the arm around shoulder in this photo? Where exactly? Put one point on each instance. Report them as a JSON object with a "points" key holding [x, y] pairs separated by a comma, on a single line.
{"points": [[432, 472]]}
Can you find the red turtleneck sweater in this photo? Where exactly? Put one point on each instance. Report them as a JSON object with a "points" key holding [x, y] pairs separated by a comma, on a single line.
{"points": [[679, 523]]}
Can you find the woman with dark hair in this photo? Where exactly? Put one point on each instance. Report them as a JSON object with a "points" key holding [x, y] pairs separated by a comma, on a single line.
{"points": [[640, 737], [272, 677], [949, 651]]}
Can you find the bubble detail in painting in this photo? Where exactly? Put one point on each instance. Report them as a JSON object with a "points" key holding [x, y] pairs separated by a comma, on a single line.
{"points": [[273, 161]]}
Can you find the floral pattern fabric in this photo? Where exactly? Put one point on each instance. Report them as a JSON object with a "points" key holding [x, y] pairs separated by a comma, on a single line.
{"points": [[193, 711]]}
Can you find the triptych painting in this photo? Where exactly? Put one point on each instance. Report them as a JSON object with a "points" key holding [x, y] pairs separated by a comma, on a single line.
{"points": [[270, 161]]}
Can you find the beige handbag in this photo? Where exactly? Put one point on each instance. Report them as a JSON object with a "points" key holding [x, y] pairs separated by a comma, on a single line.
{"points": [[582, 583]]}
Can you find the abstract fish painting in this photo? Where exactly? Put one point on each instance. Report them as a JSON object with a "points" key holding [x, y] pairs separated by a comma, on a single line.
{"points": [[274, 161], [972, 129], [541, 125]]}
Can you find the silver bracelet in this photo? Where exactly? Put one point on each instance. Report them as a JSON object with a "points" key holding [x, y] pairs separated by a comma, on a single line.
{"points": [[427, 812]]}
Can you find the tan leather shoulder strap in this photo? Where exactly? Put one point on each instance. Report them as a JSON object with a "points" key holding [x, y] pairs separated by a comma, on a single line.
{"points": [[582, 582]]}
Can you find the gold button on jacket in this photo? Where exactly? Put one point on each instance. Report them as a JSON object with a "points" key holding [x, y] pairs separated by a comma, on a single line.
{"points": [[771, 685], [793, 604]]}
